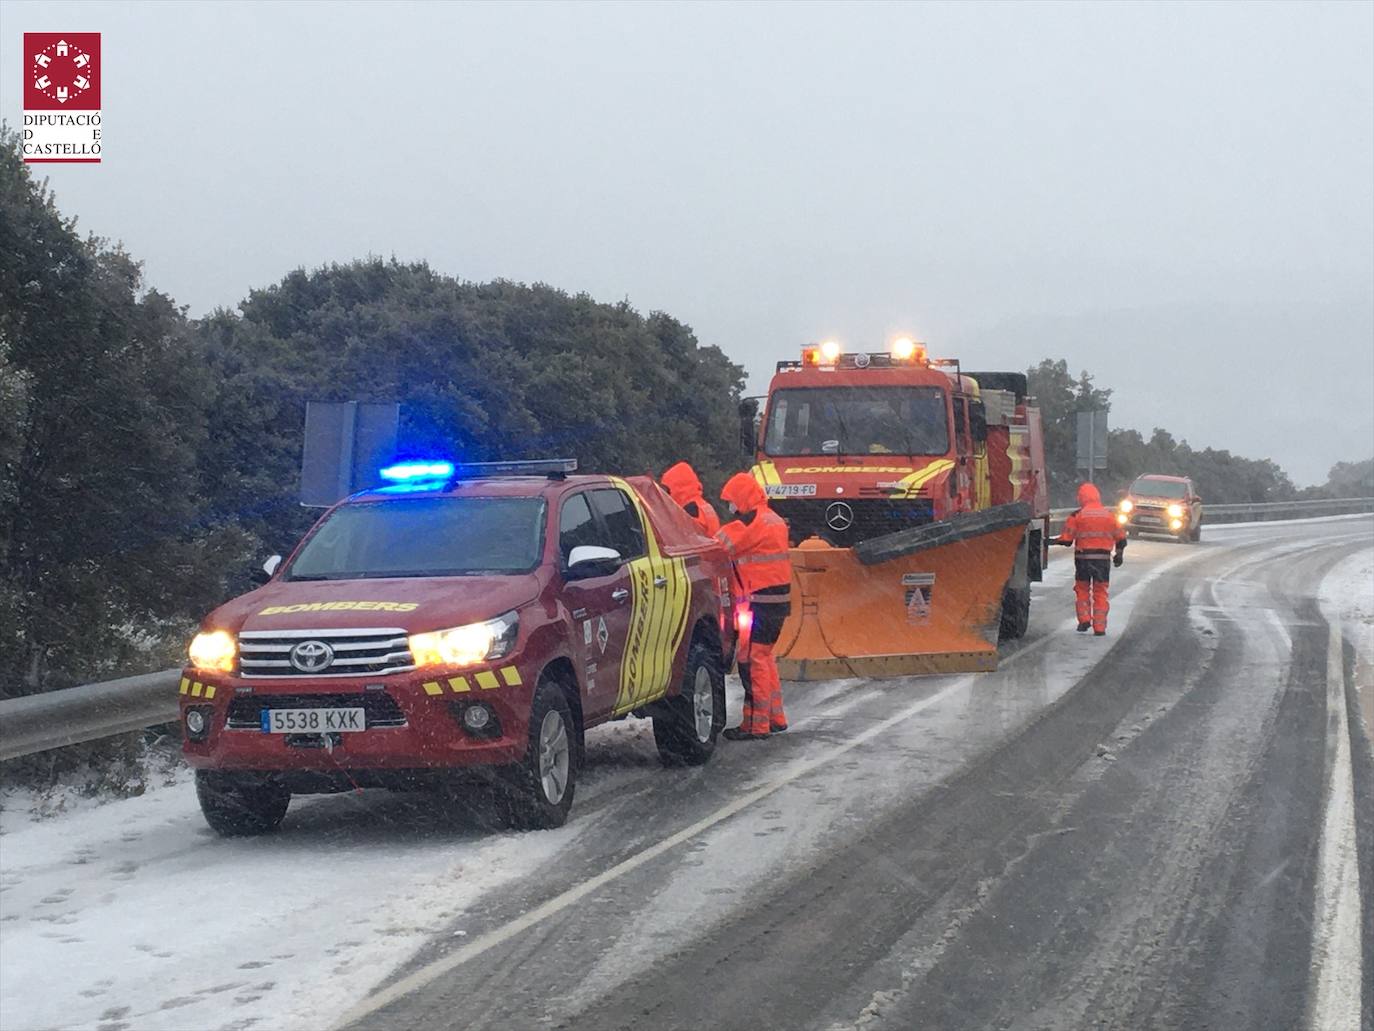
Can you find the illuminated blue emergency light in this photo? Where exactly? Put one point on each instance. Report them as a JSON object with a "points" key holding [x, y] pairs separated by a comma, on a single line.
{"points": [[417, 472]]}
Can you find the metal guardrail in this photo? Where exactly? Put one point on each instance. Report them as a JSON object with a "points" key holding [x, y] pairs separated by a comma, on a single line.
{"points": [[59, 718], [1263, 511]]}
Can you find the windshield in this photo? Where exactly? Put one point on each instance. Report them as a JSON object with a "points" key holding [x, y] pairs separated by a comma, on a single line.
{"points": [[1160, 488], [442, 536], [858, 421]]}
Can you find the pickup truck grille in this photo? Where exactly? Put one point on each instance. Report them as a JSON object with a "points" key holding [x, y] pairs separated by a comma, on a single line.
{"points": [[346, 653], [380, 708]]}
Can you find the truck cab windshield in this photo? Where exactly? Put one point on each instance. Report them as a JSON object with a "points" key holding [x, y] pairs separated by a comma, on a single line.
{"points": [[432, 536], [858, 421]]}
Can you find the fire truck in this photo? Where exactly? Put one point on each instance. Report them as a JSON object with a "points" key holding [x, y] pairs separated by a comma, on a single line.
{"points": [[918, 506]]}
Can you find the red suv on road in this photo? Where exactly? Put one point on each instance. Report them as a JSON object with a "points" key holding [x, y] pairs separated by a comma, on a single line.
{"points": [[468, 617], [1162, 504]]}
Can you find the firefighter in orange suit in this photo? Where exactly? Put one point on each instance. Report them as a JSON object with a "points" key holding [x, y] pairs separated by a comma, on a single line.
{"points": [[684, 486], [1097, 539], [757, 542]]}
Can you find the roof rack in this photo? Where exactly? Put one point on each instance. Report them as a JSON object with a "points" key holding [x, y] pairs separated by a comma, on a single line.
{"points": [[553, 468]]}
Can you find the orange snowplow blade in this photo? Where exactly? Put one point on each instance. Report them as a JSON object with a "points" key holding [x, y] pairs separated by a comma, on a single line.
{"points": [[923, 601]]}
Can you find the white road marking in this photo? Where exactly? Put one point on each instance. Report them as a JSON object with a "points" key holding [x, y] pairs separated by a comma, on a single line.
{"points": [[432, 971], [445, 964], [1337, 951]]}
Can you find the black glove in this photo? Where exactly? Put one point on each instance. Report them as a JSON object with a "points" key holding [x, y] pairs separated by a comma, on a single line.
{"points": [[1062, 544], [1117, 559]]}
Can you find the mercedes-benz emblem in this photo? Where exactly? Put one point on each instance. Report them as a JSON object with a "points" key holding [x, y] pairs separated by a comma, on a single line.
{"points": [[839, 516], [311, 656]]}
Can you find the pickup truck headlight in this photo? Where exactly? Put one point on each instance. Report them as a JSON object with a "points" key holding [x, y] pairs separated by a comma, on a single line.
{"points": [[1127, 504], [213, 651], [1175, 511], [466, 645]]}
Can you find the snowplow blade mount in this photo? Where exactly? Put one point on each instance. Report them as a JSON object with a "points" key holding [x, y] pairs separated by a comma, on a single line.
{"points": [[925, 600]]}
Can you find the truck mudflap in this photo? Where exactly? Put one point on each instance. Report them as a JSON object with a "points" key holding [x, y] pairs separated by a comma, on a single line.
{"points": [[919, 601]]}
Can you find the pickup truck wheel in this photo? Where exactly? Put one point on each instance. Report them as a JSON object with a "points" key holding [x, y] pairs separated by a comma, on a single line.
{"points": [[237, 806], [686, 732], [544, 780], [1015, 613]]}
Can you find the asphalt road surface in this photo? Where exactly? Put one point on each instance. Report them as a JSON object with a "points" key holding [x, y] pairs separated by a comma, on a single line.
{"points": [[1155, 829]]}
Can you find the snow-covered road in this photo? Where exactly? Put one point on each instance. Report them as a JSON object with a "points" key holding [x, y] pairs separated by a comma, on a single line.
{"points": [[134, 915]]}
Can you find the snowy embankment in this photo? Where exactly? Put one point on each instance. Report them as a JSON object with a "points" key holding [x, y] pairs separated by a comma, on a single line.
{"points": [[157, 923]]}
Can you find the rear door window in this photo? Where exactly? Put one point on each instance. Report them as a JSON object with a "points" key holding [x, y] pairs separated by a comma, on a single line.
{"points": [[577, 526], [623, 525]]}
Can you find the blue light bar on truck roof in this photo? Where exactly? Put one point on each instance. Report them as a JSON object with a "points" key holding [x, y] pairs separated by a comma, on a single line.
{"points": [[410, 472]]}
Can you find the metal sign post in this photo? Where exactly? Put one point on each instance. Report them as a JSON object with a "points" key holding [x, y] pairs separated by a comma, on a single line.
{"points": [[345, 444], [1091, 439]]}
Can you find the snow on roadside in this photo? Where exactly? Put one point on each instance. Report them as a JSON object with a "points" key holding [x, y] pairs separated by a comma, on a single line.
{"points": [[1347, 593], [133, 915]]}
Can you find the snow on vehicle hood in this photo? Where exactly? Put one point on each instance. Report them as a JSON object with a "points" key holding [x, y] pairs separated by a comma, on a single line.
{"points": [[412, 604]]}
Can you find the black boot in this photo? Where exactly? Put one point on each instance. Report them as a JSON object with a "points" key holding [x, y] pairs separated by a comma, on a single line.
{"points": [[1099, 633], [740, 734], [1083, 627]]}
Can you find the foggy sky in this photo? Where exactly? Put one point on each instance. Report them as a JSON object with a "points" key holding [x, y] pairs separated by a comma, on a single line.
{"points": [[1178, 198]]}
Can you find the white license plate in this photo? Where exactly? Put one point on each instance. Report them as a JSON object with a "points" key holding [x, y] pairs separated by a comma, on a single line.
{"points": [[790, 490], [313, 721], [1150, 520]]}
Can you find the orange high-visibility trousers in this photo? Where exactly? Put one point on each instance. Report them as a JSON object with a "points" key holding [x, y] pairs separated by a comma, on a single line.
{"points": [[758, 673], [1091, 599]]}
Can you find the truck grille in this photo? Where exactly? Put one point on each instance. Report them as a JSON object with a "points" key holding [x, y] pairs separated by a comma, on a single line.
{"points": [[323, 653], [872, 517], [380, 708]]}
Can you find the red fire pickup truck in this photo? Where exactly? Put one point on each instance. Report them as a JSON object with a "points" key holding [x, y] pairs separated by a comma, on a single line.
{"points": [[462, 617]]}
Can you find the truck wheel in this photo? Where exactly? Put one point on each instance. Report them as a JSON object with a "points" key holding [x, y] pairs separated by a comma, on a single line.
{"points": [[1015, 613], [686, 732], [543, 781], [237, 806]]}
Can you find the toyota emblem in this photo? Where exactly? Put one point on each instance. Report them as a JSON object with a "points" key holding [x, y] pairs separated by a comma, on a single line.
{"points": [[311, 656], [839, 516]]}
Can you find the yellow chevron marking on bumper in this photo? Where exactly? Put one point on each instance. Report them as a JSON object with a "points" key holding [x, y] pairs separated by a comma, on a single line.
{"points": [[432, 688], [511, 676], [185, 686], [486, 680], [209, 691], [195, 689], [459, 684]]}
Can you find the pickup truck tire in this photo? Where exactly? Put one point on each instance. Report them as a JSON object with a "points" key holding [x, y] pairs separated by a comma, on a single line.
{"points": [[238, 806], [687, 729], [1015, 622], [541, 785]]}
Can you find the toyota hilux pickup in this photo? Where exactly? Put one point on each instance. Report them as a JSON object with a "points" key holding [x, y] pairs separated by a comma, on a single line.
{"points": [[462, 618]]}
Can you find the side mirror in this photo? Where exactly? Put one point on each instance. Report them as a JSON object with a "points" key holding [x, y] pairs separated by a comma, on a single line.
{"points": [[588, 560], [269, 568], [748, 426]]}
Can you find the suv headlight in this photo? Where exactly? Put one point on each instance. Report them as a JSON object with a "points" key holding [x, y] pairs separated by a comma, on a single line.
{"points": [[1175, 511], [1127, 504], [466, 645], [213, 651]]}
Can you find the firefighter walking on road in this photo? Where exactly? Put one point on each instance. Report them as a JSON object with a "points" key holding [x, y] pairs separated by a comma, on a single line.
{"points": [[684, 486], [757, 542], [1097, 540]]}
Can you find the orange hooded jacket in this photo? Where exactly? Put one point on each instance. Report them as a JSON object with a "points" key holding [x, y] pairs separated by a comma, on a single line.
{"points": [[1093, 529], [684, 487], [757, 541]]}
